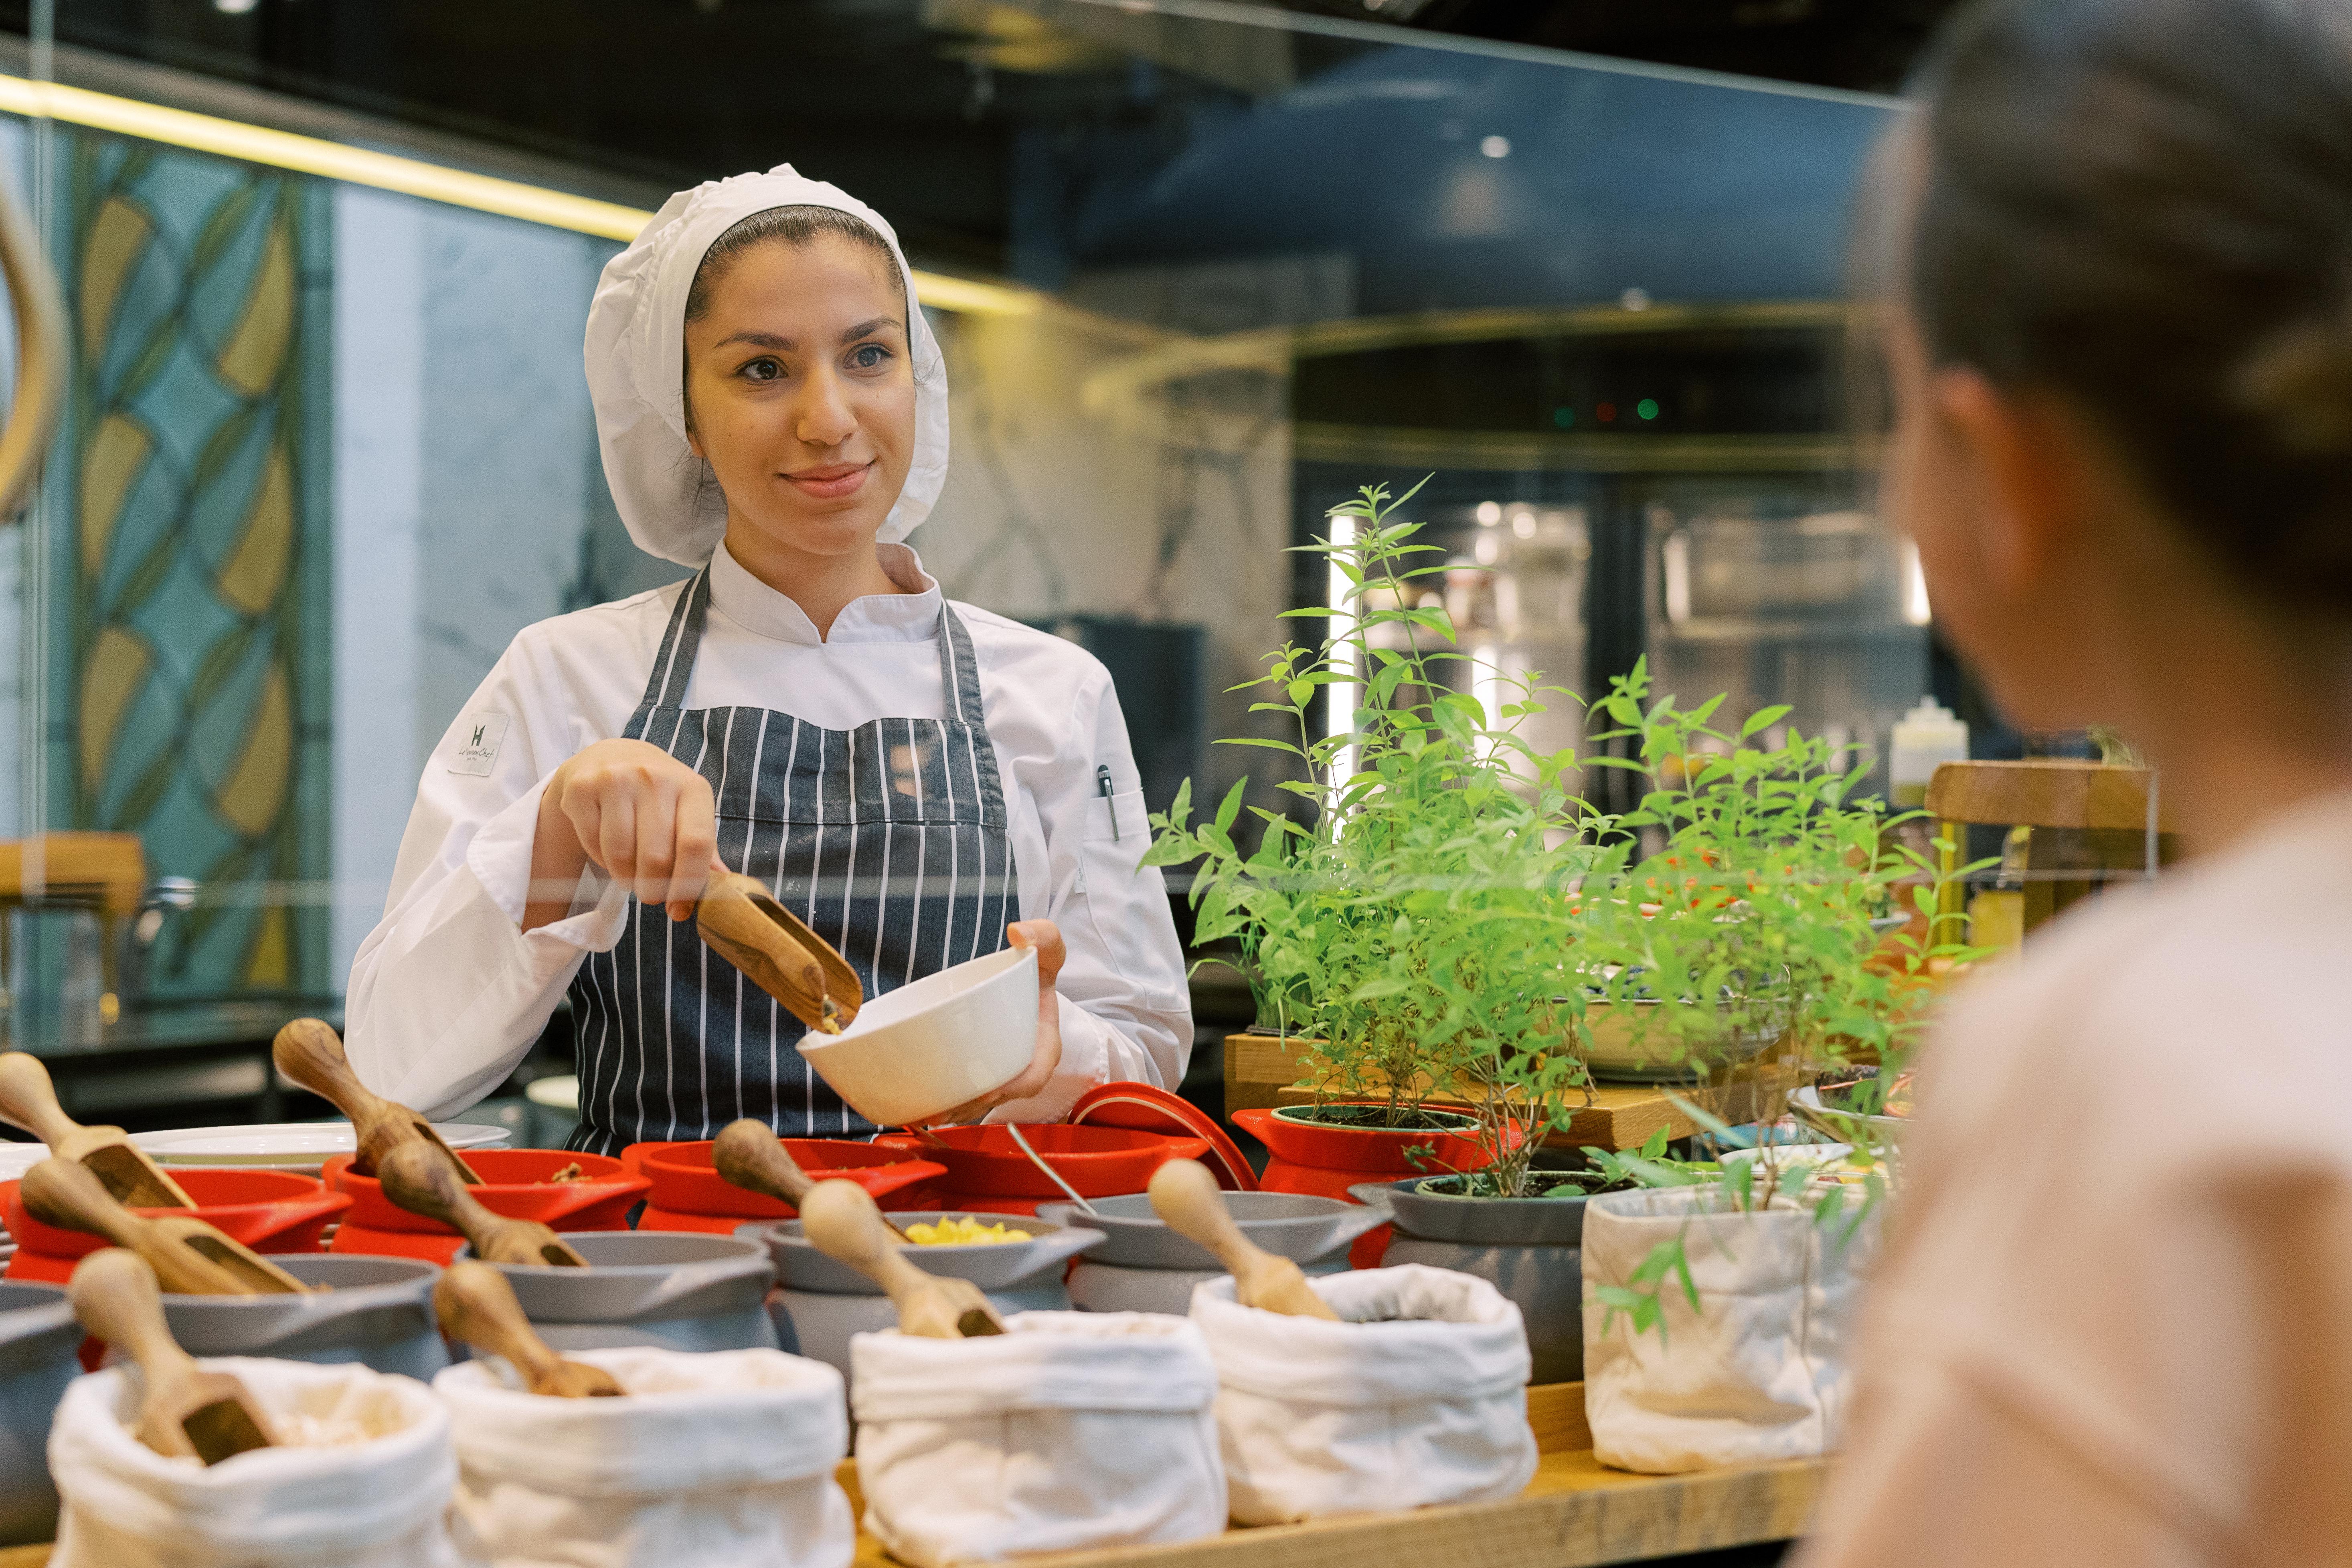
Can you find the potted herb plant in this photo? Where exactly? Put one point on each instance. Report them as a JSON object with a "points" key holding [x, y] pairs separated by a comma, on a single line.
{"points": [[1421, 911]]}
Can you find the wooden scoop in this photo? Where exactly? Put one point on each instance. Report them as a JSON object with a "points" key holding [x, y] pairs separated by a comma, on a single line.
{"points": [[1186, 1197], [842, 1221], [749, 1154], [188, 1256], [477, 1306], [30, 1100], [744, 925], [419, 1180], [308, 1052], [185, 1409]]}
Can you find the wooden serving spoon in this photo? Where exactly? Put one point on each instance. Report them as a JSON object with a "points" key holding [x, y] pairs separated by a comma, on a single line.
{"points": [[310, 1053], [419, 1180], [188, 1256], [749, 1154], [185, 1409], [30, 1100], [1186, 1197], [842, 1221], [477, 1306], [744, 925]]}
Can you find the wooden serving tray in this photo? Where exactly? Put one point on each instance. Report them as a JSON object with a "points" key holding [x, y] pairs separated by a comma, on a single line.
{"points": [[1262, 1070], [1577, 1512]]}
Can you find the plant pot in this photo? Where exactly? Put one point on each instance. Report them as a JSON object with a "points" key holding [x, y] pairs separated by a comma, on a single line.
{"points": [[1759, 1371], [689, 1193], [680, 1290], [821, 1304], [1531, 1249], [376, 1311], [988, 1173], [268, 1211], [1144, 1267], [38, 1337], [1328, 1162], [515, 1184], [1620, 1046]]}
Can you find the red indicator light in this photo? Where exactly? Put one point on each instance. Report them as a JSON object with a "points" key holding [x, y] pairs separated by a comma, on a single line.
{"points": [[1606, 413]]}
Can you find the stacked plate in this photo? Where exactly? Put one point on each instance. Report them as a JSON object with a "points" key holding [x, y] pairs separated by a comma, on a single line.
{"points": [[297, 1146]]}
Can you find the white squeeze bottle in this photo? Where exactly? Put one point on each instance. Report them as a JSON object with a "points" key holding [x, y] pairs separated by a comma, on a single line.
{"points": [[1928, 736]]}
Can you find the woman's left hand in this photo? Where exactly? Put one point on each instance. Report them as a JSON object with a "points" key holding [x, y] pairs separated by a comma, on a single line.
{"points": [[1047, 938]]}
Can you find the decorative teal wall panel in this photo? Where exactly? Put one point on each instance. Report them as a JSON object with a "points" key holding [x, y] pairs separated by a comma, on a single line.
{"points": [[189, 672]]}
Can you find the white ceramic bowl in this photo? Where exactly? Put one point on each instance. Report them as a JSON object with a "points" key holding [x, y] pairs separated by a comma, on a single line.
{"points": [[931, 1046]]}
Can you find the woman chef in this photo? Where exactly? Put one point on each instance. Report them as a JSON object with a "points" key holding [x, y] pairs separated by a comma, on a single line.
{"points": [[921, 780]]}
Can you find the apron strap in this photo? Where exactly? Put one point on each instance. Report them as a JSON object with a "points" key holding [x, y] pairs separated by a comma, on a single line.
{"points": [[959, 678], [674, 662]]}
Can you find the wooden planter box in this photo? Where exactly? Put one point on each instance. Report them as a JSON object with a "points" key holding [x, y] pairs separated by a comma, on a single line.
{"points": [[1263, 1070]]}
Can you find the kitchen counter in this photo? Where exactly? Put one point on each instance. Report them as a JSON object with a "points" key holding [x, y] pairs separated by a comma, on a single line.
{"points": [[181, 1064]]}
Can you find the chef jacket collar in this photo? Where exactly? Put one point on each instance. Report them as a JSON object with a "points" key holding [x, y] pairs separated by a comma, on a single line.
{"points": [[910, 617]]}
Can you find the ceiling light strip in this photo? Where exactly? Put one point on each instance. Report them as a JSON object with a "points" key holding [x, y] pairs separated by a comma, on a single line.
{"points": [[408, 177]]}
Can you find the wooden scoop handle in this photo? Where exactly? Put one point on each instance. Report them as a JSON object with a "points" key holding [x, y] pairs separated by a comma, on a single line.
{"points": [[1186, 1198], [476, 1306], [68, 1195], [115, 1295], [416, 1177], [30, 1100], [742, 922], [748, 1154], [310, 1053], [842, 1221]]}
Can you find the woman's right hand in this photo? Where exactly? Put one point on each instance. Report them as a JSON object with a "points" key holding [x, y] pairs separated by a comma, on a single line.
{"points": [[634, 810]]}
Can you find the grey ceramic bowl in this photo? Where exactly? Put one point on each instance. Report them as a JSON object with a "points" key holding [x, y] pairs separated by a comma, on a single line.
{"points": [[822, 1305], [376, 1311], [1289, 1224], [1531, 1249], [674, 1289], [1004, 1265], [38, 1337]]}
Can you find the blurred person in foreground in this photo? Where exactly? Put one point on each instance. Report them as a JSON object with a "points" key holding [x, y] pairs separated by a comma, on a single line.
{"points": [[2114, 1320]]}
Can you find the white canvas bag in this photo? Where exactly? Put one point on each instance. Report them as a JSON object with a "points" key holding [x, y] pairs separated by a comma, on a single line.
{"points": [[1069, 1430], [381, 1503], [721, 1459], [1417, 1396], [1759, 1371]]}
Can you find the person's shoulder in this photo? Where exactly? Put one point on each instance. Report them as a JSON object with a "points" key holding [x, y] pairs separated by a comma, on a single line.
{"points": [[639, 618], [1010, 647]]}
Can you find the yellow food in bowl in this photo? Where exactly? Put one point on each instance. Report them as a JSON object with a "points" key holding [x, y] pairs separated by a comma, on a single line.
{"points": [[963, 1231]]}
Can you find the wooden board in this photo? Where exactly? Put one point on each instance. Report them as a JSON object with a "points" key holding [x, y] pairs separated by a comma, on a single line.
{"points": [[2046, 791], [1576, 1513], [1263, 1070]]}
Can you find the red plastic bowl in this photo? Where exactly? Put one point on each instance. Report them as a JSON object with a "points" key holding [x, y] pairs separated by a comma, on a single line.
{"points": [[687, 1193], [1325, 1162], [515, 1184], [269, 1211], [1100, 1162]]}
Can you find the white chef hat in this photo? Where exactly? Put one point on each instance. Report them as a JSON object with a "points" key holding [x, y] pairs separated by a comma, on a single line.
{"points": [[636, 358]]}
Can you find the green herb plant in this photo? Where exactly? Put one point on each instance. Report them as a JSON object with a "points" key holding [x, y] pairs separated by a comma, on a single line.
{"points": [[1417, 929]]}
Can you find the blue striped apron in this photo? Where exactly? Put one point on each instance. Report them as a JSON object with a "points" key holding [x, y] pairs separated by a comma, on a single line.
{"points": [[889, 839]]}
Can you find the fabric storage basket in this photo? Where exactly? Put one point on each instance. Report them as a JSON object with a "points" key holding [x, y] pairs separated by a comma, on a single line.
{"points": [[1759, 1371], [1069, 1430], [712, 1460], [1418, 1396], [381, 1502]]}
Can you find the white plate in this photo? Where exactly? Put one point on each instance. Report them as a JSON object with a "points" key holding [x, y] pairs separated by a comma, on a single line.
{"points": [[301, 1146], [16, 1159]]}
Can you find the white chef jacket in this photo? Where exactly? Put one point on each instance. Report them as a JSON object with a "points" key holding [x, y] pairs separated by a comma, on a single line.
{"points": [[447, 993]]}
